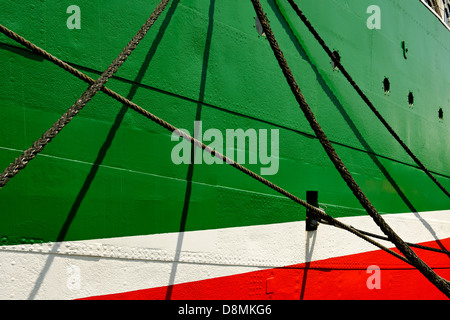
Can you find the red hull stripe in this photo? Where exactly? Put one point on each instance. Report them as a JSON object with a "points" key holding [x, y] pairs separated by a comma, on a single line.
{"points": [[344, 277]]}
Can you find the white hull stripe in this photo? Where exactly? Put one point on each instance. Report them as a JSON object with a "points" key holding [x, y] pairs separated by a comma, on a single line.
{"points": [[78, 269]]}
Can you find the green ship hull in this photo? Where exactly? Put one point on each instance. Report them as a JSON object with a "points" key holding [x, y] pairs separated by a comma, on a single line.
{"points": [[110, 173]]}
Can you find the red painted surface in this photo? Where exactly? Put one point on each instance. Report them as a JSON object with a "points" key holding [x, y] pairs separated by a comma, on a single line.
{"points": [[336, 278]]}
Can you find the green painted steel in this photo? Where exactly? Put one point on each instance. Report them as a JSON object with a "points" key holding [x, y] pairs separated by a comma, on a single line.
{"points": [[110, 174]]}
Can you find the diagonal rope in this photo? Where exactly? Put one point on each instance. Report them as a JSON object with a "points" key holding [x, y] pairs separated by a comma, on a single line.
{"points": [[29, 154], [21, 40], [413, 245], [339, 65], [439, 282], [319, 213]]}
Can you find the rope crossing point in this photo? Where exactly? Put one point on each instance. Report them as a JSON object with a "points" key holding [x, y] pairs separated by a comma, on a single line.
{"points": [[29, 154], [429, 273], [171, 128], [418, 246], [320, 214], [339, 65]]}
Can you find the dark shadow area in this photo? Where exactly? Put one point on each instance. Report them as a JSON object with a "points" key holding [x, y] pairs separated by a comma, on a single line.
{"points": [[24, 52], [330, 94], [194, 149], [106, 145]]}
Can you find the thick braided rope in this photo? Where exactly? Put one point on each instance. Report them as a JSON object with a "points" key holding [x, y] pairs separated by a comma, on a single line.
{"points": [[364, 97], [320, 214], [413, 245], [29, 154], [439, 282]]}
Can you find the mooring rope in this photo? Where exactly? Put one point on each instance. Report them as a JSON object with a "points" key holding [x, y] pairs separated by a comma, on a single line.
{"points": [[320, 214], [429, 273], [339, 65], [377, 236], [413, 245], [29, 154]]}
